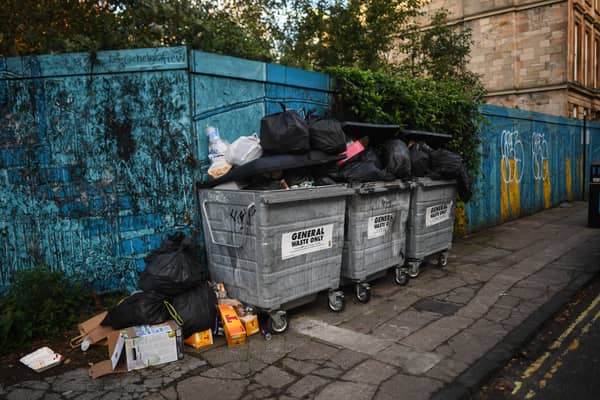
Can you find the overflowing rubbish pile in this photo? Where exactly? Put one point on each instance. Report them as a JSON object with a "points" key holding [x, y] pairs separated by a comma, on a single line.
{"points": [[297, 152], [175, 307]]}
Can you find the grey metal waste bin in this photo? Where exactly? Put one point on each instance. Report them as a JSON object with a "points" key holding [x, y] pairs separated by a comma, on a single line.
{"points": [[376, 215], [276, 249], [430, 223]]}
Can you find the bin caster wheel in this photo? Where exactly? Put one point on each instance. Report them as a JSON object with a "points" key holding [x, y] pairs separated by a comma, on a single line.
{"points": [[336, 301], [278, 322], [414, 268], [363, 292], [401, 277], [442, 260]]}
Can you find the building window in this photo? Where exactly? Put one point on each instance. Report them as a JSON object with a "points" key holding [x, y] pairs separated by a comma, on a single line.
{"points": [[586, 60], [576, 53], [574, 112], [595, 66]]}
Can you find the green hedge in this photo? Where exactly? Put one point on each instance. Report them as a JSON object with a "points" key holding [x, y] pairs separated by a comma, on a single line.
{"points": [[450, 106]]}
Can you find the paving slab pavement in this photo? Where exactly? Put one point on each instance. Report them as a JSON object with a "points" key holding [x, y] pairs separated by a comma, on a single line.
{"points": [[435, 338]]}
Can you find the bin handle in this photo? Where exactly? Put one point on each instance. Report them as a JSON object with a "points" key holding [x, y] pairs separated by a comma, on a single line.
{"points": [[244, 231]]}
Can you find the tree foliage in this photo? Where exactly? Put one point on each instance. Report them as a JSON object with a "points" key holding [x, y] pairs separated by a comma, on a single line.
{"points": [[431, 90], [237, 27], [345, 32]]}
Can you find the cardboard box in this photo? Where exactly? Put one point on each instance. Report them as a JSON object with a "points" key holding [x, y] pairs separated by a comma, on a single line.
{"points": [[144, 346], [250, 322], [92, 332], [200, 339], [233, 327]]}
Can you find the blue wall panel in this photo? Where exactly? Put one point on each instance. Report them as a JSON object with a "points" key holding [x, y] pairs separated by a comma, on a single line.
{"points": [[99, 152], [87, 173], [530, 161]]}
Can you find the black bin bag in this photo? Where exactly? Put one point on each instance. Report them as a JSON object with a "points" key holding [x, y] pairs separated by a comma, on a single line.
{"points": [[446, 163], [396, 158], [326, 134], [419, 159], [141, 308], [197, 308], [285, 132], [173, 268]]}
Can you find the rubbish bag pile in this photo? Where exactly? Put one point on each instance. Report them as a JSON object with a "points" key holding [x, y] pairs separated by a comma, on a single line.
{"points": [[440, 164], [296, 152], [172, 289], [174, 306]]}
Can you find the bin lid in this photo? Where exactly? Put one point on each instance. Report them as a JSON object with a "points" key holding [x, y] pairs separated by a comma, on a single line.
{"points": [[377, 133], [266, 164], [433, 139]]}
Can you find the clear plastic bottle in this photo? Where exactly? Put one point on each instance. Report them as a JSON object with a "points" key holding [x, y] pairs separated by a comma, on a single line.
{"points": [[216, 146]]}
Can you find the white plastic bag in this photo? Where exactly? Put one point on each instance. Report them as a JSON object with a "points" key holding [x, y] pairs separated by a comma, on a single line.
{"points": [[243, 150]]}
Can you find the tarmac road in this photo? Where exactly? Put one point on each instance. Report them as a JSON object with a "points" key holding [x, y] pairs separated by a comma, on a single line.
{"points": [[561, 362]]}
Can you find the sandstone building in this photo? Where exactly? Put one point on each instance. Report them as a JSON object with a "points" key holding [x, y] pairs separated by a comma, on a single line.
{"points": [[537, 55]]}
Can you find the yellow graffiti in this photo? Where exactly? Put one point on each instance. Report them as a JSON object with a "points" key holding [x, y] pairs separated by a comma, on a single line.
{"points": [[547, 185], [569, 179], [510, 194], [518, 385]]}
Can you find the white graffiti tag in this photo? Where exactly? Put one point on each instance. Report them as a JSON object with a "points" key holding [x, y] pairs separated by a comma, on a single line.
{"points": [[512, 149], [539, 152]]}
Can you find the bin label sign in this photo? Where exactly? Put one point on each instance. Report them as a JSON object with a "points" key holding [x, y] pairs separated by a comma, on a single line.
{"points": [[306, 241], [438, 213], [379, 225]]}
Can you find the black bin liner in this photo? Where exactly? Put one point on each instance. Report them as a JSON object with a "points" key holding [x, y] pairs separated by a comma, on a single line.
{"points": [[173, 268], [142, 308], [396, 158], [419, 159], [326, 134], [197, 308], [285, 132]]}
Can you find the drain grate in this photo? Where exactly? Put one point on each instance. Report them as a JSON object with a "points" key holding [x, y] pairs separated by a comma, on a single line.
{"points": [[437, 306]]}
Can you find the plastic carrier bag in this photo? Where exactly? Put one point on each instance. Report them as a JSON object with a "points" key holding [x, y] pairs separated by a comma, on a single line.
{"points": [[243, 150]]}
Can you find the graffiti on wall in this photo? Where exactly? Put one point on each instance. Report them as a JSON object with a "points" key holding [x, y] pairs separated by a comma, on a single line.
{"points": [[514, 163], [539, 155], [513, 156]]}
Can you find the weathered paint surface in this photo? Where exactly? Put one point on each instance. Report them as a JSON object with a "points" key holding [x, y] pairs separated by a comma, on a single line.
{"points": [[526, 164], [98, 152]]}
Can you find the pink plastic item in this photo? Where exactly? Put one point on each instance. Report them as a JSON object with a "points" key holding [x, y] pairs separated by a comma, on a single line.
{"points": [[352, 150]]}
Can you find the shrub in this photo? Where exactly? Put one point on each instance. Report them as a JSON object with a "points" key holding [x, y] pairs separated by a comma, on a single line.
{"points": [[40, 304]]}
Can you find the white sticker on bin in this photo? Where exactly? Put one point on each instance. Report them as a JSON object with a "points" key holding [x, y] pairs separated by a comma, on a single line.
{"points": [[379, 225], [438, 213], [306, 241]]}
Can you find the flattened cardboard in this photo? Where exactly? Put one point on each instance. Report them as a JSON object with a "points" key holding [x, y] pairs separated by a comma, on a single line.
{"points": [[105, 367], [118, 342], [95, 333]]}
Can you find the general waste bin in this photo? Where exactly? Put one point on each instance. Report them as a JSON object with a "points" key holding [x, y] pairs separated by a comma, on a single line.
{"points": [[375, 240], [430, 224], [594, 197], [276, 249]]}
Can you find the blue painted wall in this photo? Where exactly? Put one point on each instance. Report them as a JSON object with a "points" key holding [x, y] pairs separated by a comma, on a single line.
{"points": [[530, 161], [99, 151]]}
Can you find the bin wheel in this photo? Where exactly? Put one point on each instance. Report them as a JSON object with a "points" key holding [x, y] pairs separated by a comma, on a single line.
{"points": [[401, 277], [336, 301], [278, 322], [363, 292], [414, 268], [442, 260]]}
